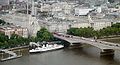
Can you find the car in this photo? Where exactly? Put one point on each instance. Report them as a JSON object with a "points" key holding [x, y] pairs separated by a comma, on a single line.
{"points": [[71, 36], [82, 37], [92, 40], [67, 36]]}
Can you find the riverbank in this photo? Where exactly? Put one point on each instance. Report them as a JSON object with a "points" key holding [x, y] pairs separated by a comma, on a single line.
{"points": [[114, 39], [24, 50]]}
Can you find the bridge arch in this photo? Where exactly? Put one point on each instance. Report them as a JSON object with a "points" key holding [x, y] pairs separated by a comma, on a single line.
{"points": [[64, 42]]}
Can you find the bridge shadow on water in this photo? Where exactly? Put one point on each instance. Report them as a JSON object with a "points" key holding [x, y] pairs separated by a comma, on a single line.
{"points": [[107, 57], [92, 52]]}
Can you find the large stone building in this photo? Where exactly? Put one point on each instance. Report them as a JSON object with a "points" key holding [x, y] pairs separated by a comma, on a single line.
{"points": [[11, 29], [23, 20], [82, 11], [62, 25]]}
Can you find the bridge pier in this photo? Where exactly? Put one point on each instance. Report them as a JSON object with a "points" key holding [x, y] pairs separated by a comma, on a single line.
{"points": [[106, 52]]}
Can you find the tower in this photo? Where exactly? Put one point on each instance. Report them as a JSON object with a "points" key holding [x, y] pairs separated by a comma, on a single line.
{"points": [[34, 11]]}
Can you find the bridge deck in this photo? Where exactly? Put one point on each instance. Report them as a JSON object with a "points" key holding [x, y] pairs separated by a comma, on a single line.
{"points": [[97, 43]]}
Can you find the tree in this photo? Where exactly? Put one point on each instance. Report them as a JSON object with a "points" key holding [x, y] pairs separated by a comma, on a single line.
{"points": [[1, 45], [14, 36], [2, 22], [44, 35], [3, 37], [16, 40], [83, 32], [111, 1], [117, 25], [72, 31], [12, 42], [90, 32]]}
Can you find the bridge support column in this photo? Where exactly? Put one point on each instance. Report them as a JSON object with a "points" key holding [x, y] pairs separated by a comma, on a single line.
{"points": [[105, 52]]}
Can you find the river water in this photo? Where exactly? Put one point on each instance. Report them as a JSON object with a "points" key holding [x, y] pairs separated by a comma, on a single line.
{"points": [[88, 55]]}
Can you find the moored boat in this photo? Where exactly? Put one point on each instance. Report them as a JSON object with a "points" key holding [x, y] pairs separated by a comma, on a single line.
{"points": [[45, 47]]}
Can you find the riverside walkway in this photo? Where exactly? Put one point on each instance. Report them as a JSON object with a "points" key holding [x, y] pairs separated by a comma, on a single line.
{"points": [[12, 55]]}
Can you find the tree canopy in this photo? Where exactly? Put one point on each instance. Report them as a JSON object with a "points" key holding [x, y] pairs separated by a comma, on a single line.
{"points": [[90, 32], [44, 35], [2, 22], [83, 32], [13, 41], [111, 1]]}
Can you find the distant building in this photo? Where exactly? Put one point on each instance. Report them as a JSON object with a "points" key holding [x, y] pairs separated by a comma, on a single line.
{"points": [[57, 7], [5, 5], [99, 9], [23, 20], [82, 11], [4, 2], [95, 20], [9, 30]]}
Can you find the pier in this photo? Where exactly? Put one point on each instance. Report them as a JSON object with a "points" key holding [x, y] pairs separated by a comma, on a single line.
{"points": [[12, 55]]}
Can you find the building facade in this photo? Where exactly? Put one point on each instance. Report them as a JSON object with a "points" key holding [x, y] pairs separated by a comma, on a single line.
{"points": [[9, 30], [4, 2]]}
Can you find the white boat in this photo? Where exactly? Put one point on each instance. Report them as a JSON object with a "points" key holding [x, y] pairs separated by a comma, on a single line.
{"points": [[47, 47]]}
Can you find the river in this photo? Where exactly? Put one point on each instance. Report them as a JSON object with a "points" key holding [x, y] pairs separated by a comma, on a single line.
{"points": [[88, 55]]}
